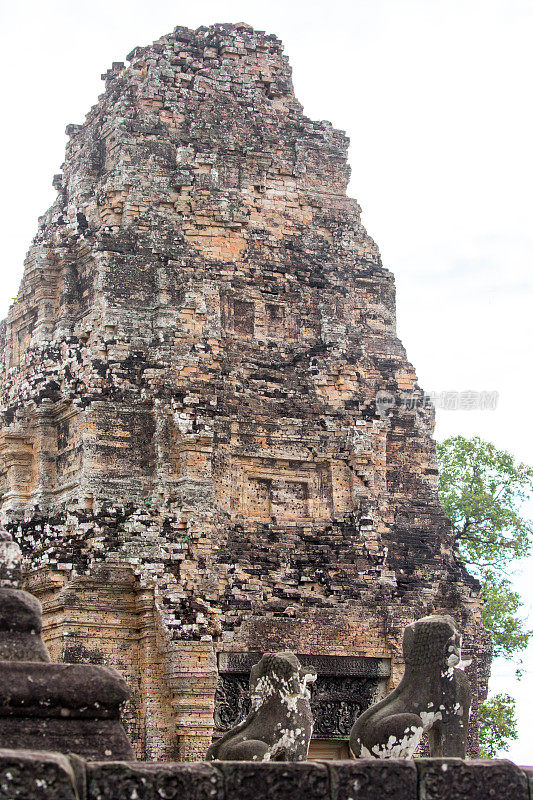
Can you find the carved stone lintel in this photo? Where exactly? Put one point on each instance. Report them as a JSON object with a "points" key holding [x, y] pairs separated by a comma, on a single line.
{"points": [[357, 666], [336, 701]]}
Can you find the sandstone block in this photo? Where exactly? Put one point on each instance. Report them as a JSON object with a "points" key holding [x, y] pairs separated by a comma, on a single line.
{"points": [[27, 775], [471, 780], [373, 780], [275, 781], [153, 781]]}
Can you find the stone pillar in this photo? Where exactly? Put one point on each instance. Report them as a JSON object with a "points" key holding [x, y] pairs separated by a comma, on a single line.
{"points": [[17, 454]]}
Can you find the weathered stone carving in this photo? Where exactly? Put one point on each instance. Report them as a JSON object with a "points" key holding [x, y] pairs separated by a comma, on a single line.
{"points": [[433, 696], [280, 724], [232, 701], [336, 700]]}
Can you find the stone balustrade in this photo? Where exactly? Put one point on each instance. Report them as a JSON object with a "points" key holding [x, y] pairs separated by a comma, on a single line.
{"points": [[49, 776]]}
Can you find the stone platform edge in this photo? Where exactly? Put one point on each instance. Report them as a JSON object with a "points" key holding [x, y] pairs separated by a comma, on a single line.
{"points": [[32, 775]]}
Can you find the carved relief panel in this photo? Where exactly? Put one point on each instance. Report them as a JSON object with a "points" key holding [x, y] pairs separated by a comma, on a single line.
{"points": [[237, 314], [69, 447], [280, 490], [345, 687], [253, 316]]}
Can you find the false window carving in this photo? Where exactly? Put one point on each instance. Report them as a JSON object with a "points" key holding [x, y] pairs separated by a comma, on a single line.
{"points": [[275, 320], [238, 315]]}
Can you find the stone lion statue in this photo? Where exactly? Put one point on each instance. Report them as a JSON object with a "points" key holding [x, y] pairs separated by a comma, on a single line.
{"points": [[280, 724], [433, 695]]}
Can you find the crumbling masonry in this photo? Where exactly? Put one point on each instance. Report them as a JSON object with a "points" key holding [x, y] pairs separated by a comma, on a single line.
{"points": [[192, 457]]}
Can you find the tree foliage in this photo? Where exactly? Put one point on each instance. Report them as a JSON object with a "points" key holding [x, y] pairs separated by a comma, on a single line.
{"points": [[501, 617], [497, 725], [482, 490]]}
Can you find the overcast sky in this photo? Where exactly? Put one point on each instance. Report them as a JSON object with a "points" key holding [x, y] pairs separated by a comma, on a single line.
{"points": [[436, 98]]}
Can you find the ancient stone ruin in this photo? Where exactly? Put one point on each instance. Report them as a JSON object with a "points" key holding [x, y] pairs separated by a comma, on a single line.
{"points": [[192, 457], [433, 696], [280, 723]]}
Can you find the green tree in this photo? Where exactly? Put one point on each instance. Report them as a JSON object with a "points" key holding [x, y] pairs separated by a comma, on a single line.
{"points": [[501, 616], [482, 490], [497, 725]]}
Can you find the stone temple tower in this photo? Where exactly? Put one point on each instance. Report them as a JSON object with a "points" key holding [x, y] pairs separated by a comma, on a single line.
{"points": [[192, 456]]}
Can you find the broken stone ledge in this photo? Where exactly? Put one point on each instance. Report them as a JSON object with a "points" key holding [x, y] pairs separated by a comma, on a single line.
{"points": [[26, 774]]}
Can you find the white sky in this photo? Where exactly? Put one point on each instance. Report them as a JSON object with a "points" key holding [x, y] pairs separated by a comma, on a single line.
{"points": [[436, 98]]}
